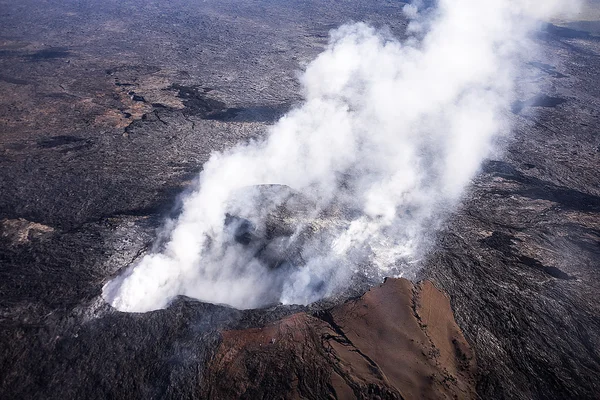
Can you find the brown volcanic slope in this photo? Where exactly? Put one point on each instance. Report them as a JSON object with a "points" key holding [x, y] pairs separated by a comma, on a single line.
{"points": [[397, 341]]}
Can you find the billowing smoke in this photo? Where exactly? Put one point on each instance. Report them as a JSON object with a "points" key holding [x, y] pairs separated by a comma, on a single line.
{"points": [[354, 181]]}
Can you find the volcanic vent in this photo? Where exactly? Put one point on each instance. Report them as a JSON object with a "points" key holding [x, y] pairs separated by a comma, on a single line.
{"points": [[381, 150], [272, 245]]}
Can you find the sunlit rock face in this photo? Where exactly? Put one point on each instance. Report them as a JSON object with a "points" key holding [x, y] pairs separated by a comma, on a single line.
{"points": [[399, 340]]}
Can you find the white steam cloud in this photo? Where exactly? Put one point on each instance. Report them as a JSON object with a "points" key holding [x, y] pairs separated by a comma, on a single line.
{"points": [[387, 139]]}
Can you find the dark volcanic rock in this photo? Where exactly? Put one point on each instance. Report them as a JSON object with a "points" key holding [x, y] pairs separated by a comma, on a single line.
{"points": [[275, 220]]}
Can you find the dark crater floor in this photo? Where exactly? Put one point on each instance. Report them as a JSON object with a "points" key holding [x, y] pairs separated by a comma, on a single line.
{"points": [[107, 115]]}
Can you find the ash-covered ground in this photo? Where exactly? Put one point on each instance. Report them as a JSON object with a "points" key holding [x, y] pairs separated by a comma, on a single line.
{"points": [[107, 115]]}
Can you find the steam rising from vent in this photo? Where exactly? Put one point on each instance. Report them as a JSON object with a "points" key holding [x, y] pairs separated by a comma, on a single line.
{"points": [[387, 139]]}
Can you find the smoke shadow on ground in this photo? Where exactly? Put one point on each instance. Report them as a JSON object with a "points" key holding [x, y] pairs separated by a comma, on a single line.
{"points": [[14, 81], [267, 114], [551, 32], [542, 100], [569, 33], [504, 243], [60, 140], [548, 69], [568, 199], [198, 103], [592, 27], [49, 53]]}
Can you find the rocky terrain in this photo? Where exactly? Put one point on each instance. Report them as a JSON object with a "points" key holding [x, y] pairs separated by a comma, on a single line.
{"points": [[396, 341], [107, 114]]}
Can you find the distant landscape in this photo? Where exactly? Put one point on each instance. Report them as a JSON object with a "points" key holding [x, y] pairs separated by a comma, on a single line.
{"points": [[117, 116]]}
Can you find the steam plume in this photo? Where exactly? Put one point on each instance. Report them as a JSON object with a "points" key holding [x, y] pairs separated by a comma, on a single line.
{"points": [[391, 131]]}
